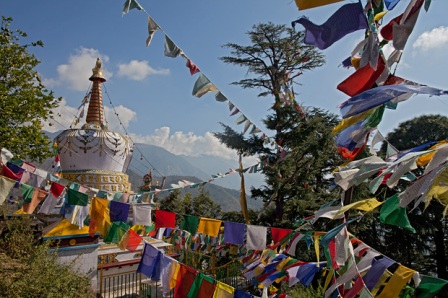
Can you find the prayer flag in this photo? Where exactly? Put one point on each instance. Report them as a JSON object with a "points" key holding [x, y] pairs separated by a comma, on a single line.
{"points": [[209, 226], [220, 97], [116, 232], [306, 4], [165, 219], [193, 293], [6, 184], [390, 4], [38, 196], [171, 50], [366, 205], [242, 294], [304, 273], [118, 211], [150, 263], [190, 223], [223, 290], [382, 94], [193, 67], [27, 192], [49, 204], [152, 28], [330, 235], [234, 232], [391, 213], [243, 201], [7, 172], [278, 234], [372, 276], [203, 86], [362, 79], [396, 283], [169, 267], [98, 212], [77, 198], [131, 4], [185, 279], [142, 214], [291, 250], [56, 189], [256, 237], [345, 20], [429, 286], [207, 288], [130, 241]]}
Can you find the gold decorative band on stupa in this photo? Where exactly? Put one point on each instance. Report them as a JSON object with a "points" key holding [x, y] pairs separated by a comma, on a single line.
{"points": [[101, 180]]}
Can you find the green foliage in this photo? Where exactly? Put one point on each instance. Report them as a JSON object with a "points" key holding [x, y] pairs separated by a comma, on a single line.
{"points": [[29, 270], [297, 184], [201, 205], [24, 100], [300, 291]]}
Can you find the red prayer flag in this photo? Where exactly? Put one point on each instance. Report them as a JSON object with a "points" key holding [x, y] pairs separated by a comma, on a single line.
{"points": [[362, 79], [387, 31], [165, 219], [56, 189], [7, 172], [193, 67], [278, 234], [134, 240], [185, 278], [206, 290]]}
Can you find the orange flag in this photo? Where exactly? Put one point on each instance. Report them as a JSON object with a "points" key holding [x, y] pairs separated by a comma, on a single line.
{"points": [[305, 4]]}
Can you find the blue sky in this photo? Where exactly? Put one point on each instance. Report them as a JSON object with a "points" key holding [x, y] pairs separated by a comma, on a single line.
{"points": [[152, 93]]}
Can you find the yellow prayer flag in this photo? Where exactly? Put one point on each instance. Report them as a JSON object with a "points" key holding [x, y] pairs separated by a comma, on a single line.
{"points": [[350, 121], [223, 290], [174, 271], [209, 226], [99, 216], [306, 4], [366, 205], [426, 158], [397, 282], [438, 189]]}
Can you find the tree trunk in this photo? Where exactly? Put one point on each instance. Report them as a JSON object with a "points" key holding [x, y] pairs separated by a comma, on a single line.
{"points": [[440, 250]]}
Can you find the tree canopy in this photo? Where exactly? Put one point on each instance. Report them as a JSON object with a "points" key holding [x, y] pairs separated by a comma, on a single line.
{"points": [[24, 100], [298, 158]]}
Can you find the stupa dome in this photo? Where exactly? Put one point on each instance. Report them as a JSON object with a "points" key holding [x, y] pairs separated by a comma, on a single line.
{"points": [[93, 155]]}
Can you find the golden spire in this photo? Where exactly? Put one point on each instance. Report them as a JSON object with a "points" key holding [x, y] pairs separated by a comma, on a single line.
{"points": [[95, 113]]}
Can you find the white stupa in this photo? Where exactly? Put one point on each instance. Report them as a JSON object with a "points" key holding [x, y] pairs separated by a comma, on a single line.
{"points": [[93, 155]]}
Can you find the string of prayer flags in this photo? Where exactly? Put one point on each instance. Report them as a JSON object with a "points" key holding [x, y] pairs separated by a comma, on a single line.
{"points": [[306, 4], [203, 86], [347, 19], [399, 279], [209, 226], [366, 205], [152, 28], [171, 50], [131, 4], [165, 219], [256, 237]]}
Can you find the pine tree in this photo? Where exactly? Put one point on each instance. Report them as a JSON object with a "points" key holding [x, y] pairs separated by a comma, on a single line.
{"points": [[299, 158]]}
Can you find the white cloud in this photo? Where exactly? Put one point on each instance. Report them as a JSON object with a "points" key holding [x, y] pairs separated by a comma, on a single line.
{"points": [[76, 73], [437, 38], [139, 70], [188, 144], [63, 117], [125, 116]]}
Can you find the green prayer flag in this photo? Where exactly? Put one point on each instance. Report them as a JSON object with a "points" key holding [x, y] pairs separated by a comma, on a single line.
{"points": [[391, 213], [27, 192], [194, 290], [116, 232], [429, 286], [77, 198], [190, 224]]}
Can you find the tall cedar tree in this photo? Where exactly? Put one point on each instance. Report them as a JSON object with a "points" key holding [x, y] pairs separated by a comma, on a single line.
{"points": [[427, 249], [298, 182], [24, 100]]}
